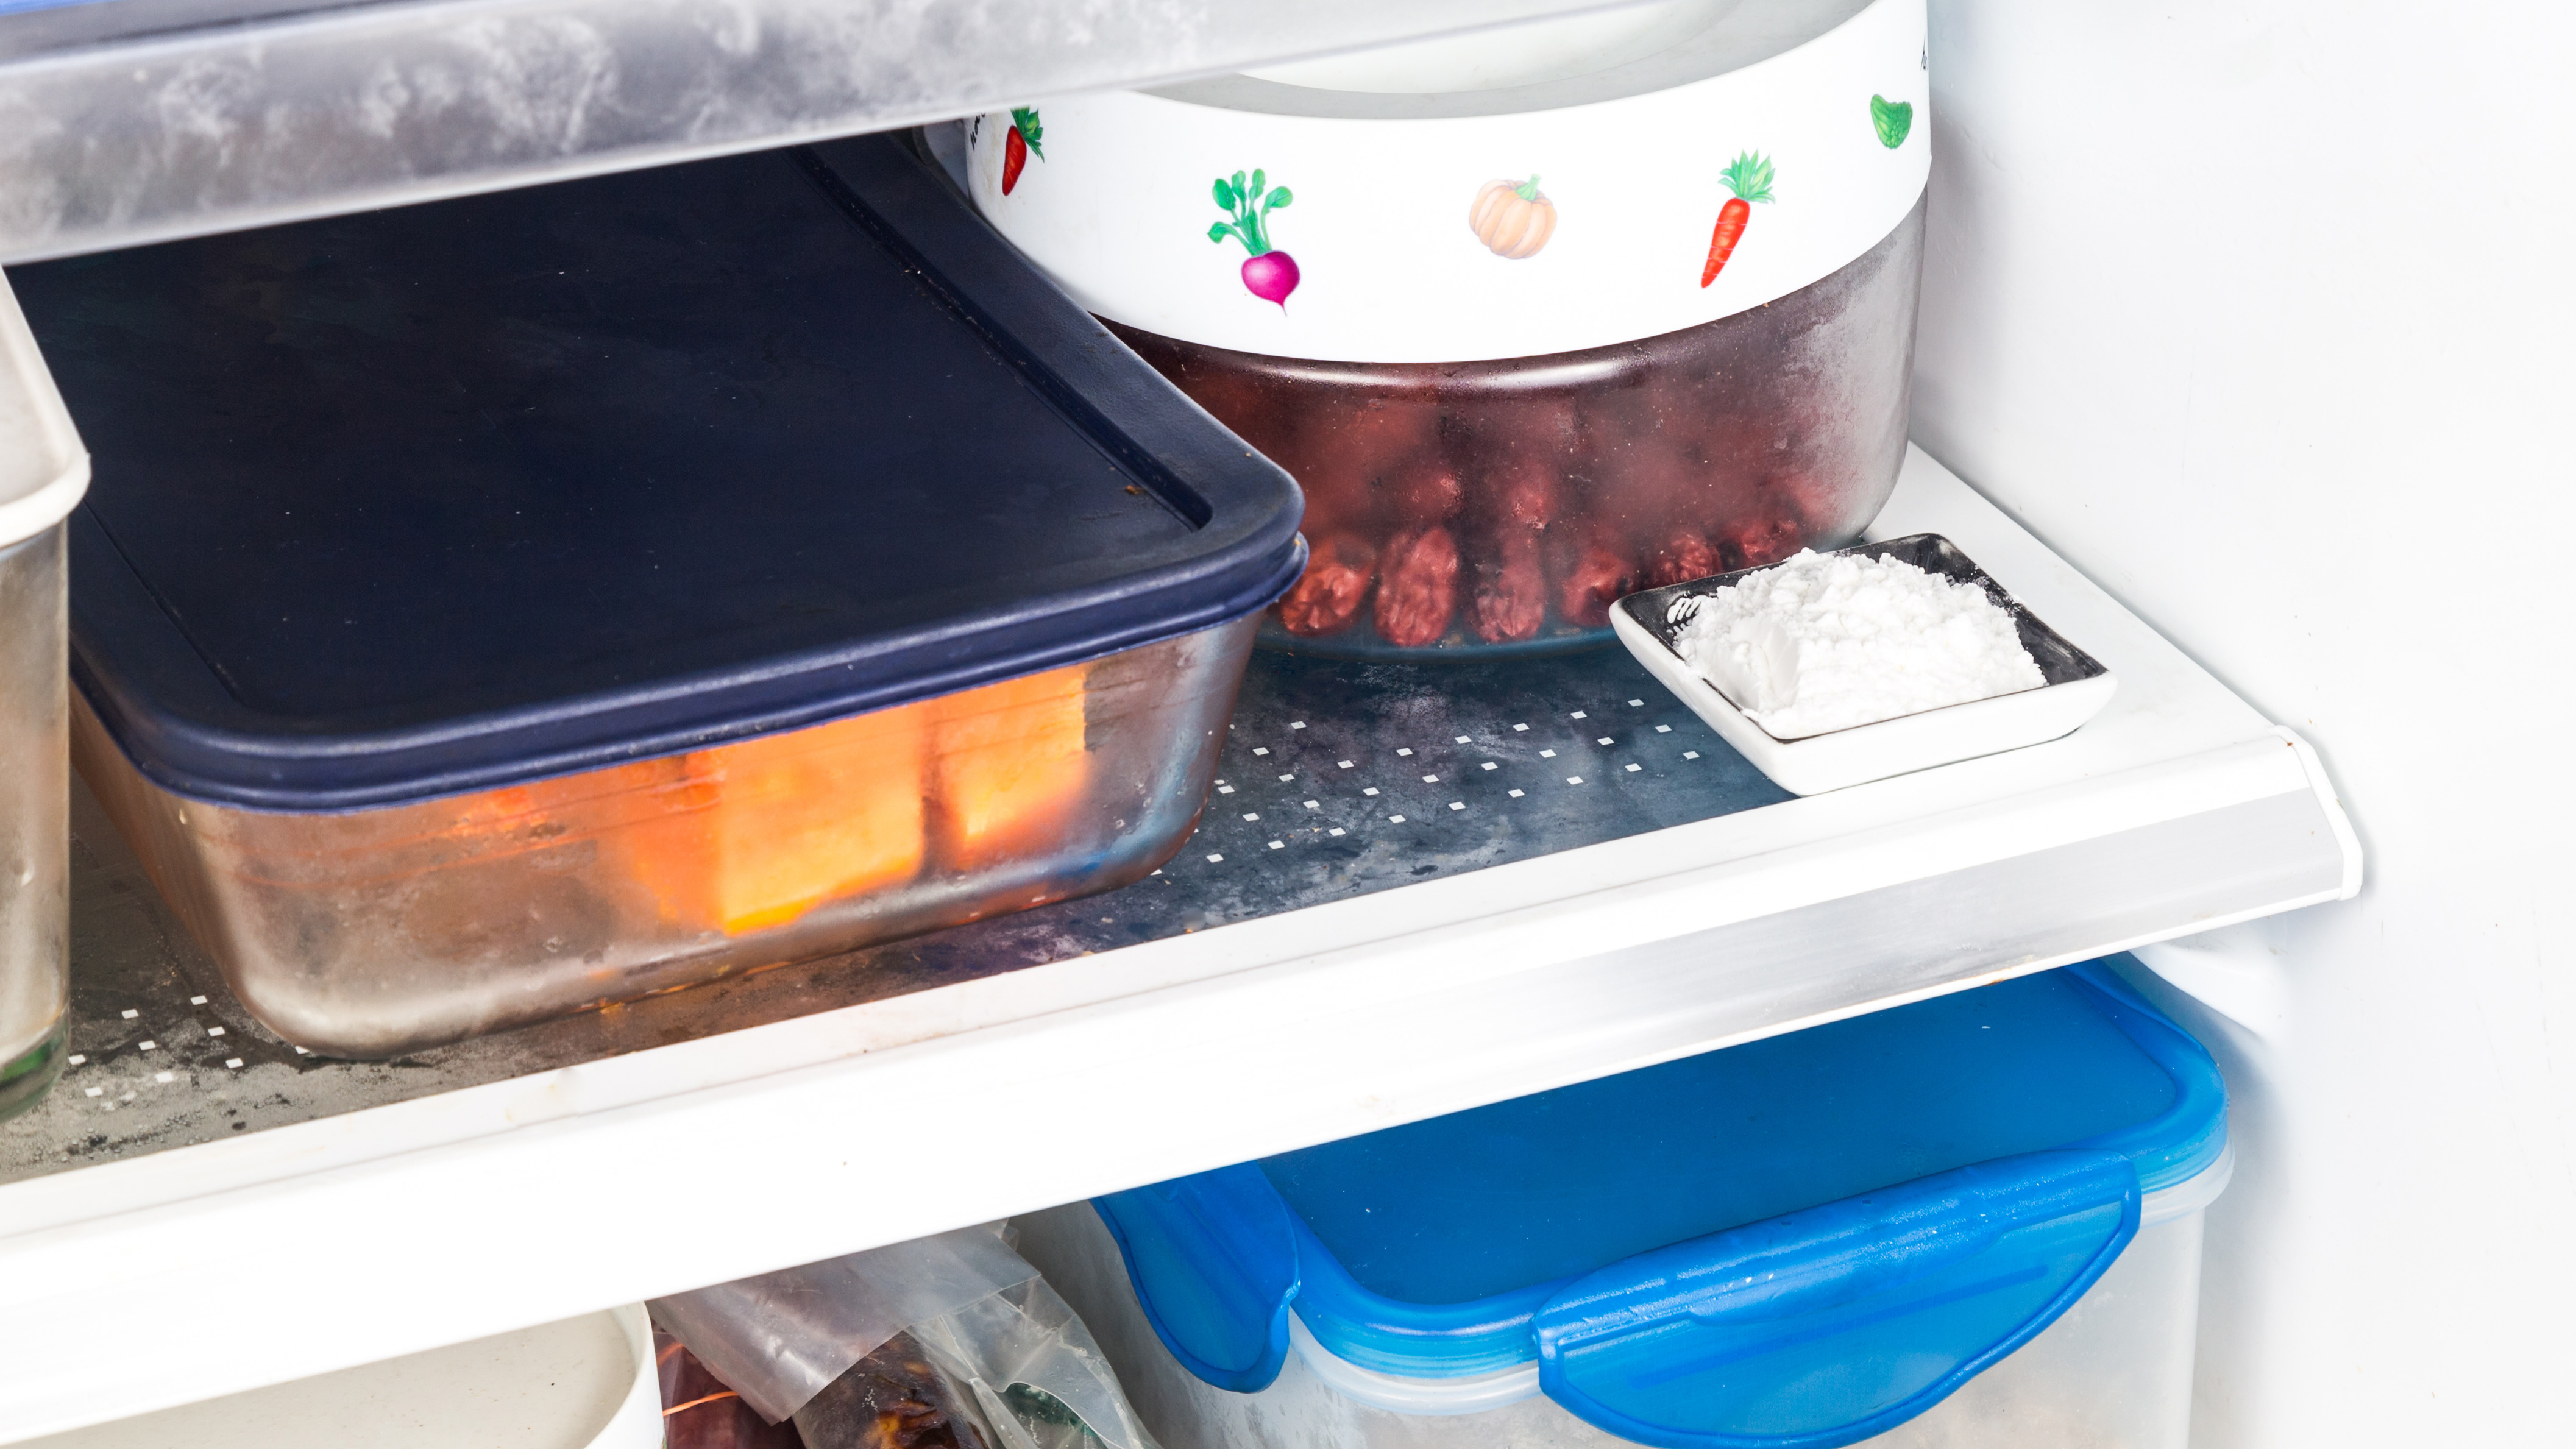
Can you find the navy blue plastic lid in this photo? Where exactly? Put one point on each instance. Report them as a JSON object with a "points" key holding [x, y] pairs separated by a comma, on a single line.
{"points": [[458, 495], [1958, 1170]]}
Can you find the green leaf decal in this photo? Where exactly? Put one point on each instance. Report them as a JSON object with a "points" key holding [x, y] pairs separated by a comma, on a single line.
{"points": [[1894, 119], [1749, 176], [1246, 201]]}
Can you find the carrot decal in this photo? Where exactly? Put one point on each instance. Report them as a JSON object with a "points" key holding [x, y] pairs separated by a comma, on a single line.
{"points": [[1749, 177], [1017, 146]]}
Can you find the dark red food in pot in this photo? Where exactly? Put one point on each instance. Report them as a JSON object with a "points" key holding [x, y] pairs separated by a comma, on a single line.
{"points": [[1591, 572], [1336, 582], [1417, 588], [1683, 556], [1722, 446], [1511, 589]]}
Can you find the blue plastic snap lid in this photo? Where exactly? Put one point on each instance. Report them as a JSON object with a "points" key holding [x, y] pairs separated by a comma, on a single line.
{"points": [[1793, 1243], [463, 494]]}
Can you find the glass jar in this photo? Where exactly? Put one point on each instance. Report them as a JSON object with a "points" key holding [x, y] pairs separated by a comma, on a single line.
{"points": [[1462, 509]]}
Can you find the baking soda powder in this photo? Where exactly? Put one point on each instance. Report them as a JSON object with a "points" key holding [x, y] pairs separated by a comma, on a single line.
{"points": [[1824, 642]]}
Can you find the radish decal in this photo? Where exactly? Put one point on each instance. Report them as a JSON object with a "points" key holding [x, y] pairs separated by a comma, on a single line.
{"points": [[1749, 177], [1018, 146], [1268, 273]]}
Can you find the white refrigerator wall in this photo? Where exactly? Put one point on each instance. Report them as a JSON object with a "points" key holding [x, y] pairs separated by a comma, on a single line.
{"points": [[2259, 312]]}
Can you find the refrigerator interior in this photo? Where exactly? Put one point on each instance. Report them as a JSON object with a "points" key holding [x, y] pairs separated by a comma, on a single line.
{"points": [[2184, 317], [2198, 367]]}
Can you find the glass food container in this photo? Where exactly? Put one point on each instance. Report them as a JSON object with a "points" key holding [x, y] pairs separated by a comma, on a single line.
{"points": [[511, 605], [1537, 318], [42, 475]]}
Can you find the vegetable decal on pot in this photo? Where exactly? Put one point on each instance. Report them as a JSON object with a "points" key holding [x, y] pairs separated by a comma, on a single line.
{"points": [[1512, 218], [1268, 273], [1749, 177], [1018, 146], [1893, 120]]}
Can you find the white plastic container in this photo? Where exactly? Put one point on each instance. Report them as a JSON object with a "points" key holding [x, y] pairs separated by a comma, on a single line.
{"points": [[43, 473], [1706, 1343], [1536, 317], [583, 1383]]}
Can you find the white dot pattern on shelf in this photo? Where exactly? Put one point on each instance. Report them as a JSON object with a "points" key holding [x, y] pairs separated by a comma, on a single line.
{"points": [[1490, 752], [1324, 819]]}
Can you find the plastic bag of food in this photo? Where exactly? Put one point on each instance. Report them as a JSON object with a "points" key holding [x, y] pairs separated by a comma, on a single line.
{"points": [[699, 1411], [949, 1342]]}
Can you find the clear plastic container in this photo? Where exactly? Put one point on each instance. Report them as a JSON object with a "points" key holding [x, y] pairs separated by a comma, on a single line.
{"points": [[43, 473], [367, 933], [2114, 1373], [1972, 1220], [1485, 507]]}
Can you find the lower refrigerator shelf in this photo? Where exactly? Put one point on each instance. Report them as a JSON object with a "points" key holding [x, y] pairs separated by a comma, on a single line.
{"points": [[1418, 889]]}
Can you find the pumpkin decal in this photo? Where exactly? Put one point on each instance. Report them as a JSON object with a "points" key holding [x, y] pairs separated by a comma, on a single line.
{"points": [[1512, 218]]}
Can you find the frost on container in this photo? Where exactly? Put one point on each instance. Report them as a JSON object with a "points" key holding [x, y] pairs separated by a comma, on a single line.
{"points": [[43, 472], [372, 932], [1454, 505]]}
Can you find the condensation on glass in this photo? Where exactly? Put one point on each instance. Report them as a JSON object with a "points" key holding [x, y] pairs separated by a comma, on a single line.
{"points": [[1502, 506], [373, 932], [35, 803]]}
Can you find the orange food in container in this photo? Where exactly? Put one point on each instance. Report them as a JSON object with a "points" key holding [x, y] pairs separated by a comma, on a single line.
{"points": [[513, 605]]}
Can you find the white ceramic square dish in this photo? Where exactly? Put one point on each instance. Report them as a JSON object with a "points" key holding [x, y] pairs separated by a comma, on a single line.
{"points": [[2077, 687]]}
